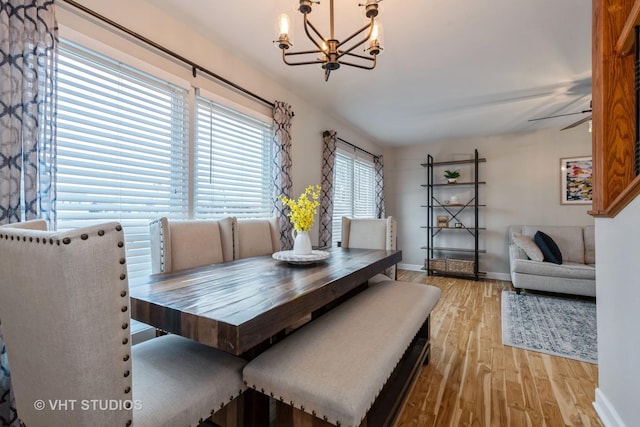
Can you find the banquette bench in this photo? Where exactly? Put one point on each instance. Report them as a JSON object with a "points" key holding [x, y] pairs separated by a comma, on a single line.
{"points": [[331, 371]]}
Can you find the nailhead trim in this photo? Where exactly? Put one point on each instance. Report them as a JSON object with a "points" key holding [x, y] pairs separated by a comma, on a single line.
{"points": [[124, 309]]}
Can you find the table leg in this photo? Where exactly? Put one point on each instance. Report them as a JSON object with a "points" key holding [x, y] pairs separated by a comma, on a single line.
{"points": [[256, 409]]}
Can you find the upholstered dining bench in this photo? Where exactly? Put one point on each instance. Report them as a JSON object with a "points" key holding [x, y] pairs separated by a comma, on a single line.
{"points": [[335, 367]]}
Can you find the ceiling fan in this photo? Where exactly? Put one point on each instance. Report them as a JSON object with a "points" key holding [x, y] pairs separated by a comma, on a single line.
{"points": [[572, 125]]}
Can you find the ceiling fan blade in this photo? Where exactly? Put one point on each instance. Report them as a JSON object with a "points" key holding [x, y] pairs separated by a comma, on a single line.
{"points": [[579, 122], [560, 115]]}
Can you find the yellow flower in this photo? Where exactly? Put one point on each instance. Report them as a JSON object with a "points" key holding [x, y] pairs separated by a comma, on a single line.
{"points": [[303, 210]]}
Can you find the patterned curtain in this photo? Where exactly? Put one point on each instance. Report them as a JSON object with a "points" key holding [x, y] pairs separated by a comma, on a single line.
{"points": [[28, 52], [378, 164], [282, 115], [326, 197]]}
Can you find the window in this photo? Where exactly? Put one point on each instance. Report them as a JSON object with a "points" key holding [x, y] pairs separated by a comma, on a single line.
{"points": [[354, 189], [233, 154], [121, 148], [123, 152]]}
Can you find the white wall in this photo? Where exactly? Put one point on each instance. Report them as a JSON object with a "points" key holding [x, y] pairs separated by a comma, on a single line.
{"points": [[144, 18], [522, 175], [618, 294]]}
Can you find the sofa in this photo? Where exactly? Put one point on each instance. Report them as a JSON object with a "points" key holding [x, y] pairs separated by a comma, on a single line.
{"points": [[576, 274]]}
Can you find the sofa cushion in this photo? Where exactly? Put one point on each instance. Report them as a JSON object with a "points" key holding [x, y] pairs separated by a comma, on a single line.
{"points": [[548, 247], [527, 244], [589, 245], [569, 238], [567, 270]]}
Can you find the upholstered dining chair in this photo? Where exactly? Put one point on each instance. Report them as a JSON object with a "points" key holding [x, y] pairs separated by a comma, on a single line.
{"points": [[369, 233], [64, 303], [180, 244], [257, 237], [36, 224]]}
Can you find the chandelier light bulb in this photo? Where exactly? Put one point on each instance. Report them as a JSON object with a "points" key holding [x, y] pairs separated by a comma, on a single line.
{"points": [[375, 41], [285, 24], [283, 28]]}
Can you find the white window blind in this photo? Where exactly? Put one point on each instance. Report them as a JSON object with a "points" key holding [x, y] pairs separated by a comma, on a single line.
{"points": [[232, 163], [354, 190], [122, 148]]}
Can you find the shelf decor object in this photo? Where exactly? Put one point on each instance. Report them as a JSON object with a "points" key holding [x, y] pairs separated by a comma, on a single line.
{"points": [[460, 209], [329, 52], [436, 264], [464, 266], [443, 221], [452, 176]]}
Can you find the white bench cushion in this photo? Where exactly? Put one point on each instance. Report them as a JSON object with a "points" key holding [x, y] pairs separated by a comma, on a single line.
{"points": [[335, 367]]}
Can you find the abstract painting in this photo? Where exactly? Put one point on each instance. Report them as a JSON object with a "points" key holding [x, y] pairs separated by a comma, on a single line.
{"points": [[577, 180]]}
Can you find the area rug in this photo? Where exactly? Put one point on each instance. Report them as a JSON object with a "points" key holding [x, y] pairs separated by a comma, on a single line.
{"points": [[563, 327]]}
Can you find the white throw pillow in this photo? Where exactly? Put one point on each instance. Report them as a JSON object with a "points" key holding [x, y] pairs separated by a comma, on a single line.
{"points": [[527, 244]]}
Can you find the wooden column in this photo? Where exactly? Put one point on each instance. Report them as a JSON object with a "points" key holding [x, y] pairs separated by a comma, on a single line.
{"points": [[613, 107]]}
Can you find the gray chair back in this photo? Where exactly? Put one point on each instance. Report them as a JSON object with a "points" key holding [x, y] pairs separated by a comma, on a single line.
{"points": [[257, 237], [181, 244], [370, 233]]}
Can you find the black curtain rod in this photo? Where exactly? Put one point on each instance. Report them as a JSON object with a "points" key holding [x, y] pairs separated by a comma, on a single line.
{"points": [[163, 49], [356, 147]]}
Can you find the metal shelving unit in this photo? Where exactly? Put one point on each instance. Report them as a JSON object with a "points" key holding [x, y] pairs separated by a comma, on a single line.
{"points": [[454, 211]]}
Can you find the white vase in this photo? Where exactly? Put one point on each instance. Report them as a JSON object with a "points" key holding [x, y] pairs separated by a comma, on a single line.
{"points": [[301, 243]]}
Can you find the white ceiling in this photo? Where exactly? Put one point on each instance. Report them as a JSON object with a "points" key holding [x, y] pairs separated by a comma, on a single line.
{"points": [[450, 69]]}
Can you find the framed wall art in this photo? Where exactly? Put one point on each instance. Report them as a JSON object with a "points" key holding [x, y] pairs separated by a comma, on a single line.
{"points": [[576, 180]]}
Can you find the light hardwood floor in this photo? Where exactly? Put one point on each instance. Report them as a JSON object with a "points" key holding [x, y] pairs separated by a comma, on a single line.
{"points": [[474, 380]]}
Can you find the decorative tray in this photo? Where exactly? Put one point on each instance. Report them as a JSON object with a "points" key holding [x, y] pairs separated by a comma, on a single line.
{"points": [[288, 256]]}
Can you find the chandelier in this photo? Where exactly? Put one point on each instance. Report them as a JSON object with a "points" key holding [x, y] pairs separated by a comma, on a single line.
{"points": [[330, 52]]}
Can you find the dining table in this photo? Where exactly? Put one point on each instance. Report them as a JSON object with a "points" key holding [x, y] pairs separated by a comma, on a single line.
{"points": [[238, 306]]}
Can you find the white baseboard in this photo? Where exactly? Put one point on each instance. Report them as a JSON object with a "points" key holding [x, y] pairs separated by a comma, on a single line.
{"points": [[499, 276], [410, 267], [605, 410], [489, 275]]}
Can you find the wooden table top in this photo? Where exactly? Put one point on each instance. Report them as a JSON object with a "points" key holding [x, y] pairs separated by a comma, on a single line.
{"points": [[237, 305]]}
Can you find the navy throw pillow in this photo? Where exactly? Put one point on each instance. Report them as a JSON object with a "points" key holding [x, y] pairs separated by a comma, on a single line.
{"points": [[548, 247]]}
